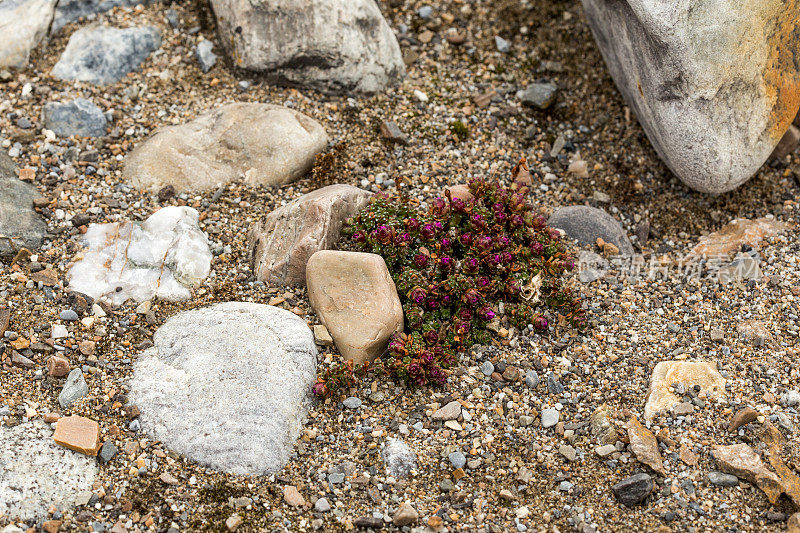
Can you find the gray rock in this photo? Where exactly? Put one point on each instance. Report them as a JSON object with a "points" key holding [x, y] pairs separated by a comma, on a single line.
{"points": [[457, 459], [246, 369], [79, 117], [172, 18], [103, 55], [553, 385], [502, 45], [69, 315], [569, 453], [74, 388], [352, 402], [634, 489], [71, 10], [23, 24], [722, 479], [790, 398], [532, 379], [36, 473], [107, 451], [336, 478], [585, 224], [322, 506], [549, 418], [487, 368], [399, 458], [295, 42], [205, 56], [541, 95], [711, 98], [20, 225]]}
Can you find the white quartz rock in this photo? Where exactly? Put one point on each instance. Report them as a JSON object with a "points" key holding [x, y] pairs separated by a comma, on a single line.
{"points": [[165, 256]]}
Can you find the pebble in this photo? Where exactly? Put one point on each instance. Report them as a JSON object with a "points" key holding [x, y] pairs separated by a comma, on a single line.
{"points": [[553, 385], [722, 479], [405, 515], [568, 452], [69, 315], [451, 411], [487, 368], [457, 459], [322, 506], [634, 489], [503, 46], [74, 388], [549, 418], [531, 379], [352, 402]]}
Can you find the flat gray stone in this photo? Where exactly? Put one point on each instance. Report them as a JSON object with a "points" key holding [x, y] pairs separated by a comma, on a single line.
{"points": [[585, 224], [714, 85], [79, 117], [103, 55], [36, 473], [245, 369], [74, 388], [20, 225]]}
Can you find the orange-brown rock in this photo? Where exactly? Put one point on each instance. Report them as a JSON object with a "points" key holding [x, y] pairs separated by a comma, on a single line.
{"points": [[356, 299], [79, 434], [57, 366], [731, 237]]}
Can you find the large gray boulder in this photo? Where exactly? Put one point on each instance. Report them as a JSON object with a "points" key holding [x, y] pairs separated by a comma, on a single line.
{"points": [[228, 386], [714, 84], [282, 244], [79, 117], [329, 45], [267, 144], [71, 10], [23, 24], [36, 473], [103, 55], [585, 224], [20, 225]]}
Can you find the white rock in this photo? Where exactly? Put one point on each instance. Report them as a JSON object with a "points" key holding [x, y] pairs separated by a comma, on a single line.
{"points": [[268, 144], [330, 45], [36, 473], [23, 24], [715, 84], [245, 369], [165, 256]]}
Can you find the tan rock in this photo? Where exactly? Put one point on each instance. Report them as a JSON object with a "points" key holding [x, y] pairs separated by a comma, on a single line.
{"points": [[282, 244], [793, 524], [687, 455], [292, 496], [268, 144], [743, 462], [322, 336], [405, 515], [356, 299], [79, 434], [645, 446], [689, 373], [460, 191], [733, 235], [57, 366]]}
